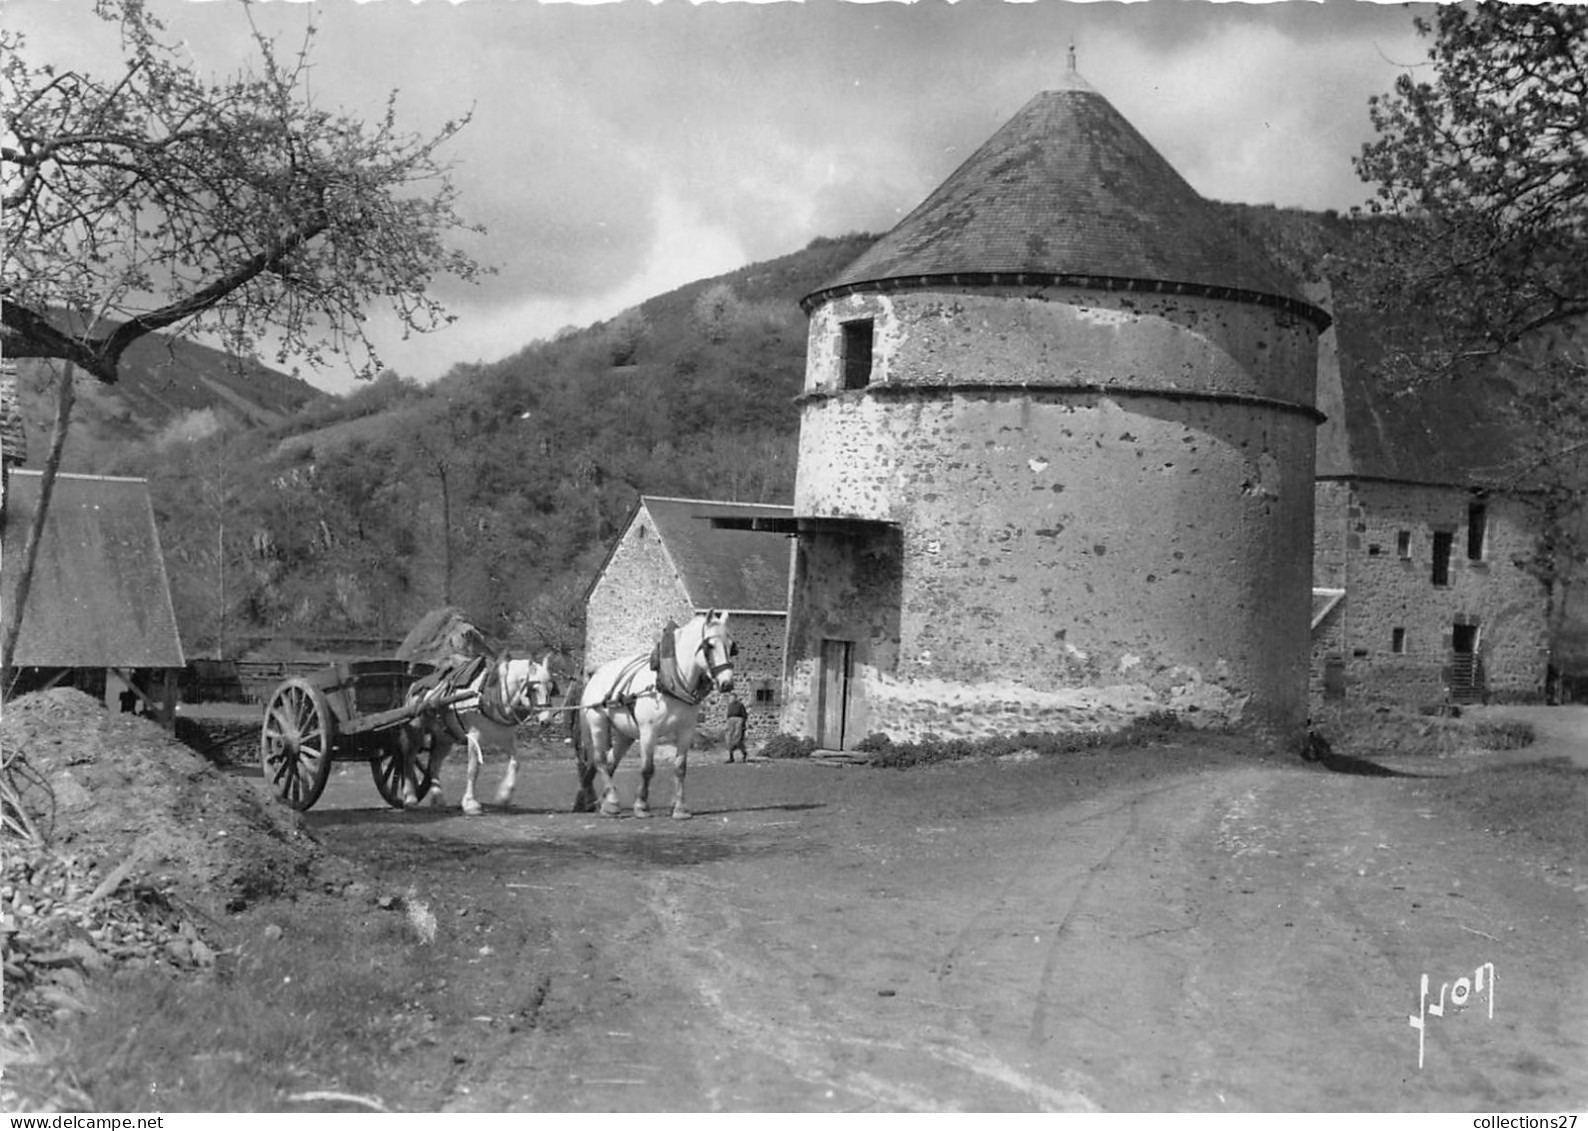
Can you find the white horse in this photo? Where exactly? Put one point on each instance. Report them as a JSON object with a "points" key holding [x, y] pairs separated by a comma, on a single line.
{"points": [[628, 701], [504, 695]]}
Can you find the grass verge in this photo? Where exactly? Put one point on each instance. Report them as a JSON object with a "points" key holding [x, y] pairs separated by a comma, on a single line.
{"points": [[1538, 802], [900, 755], [1368, 731]]}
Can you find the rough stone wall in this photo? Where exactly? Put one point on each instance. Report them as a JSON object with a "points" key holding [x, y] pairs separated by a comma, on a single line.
{"points": [[13, 435], [757, 674], [1328, 642], [636, 595], [847, 588], [1331, 503], [1386, 591], [1053, 336], [1103, 502]]}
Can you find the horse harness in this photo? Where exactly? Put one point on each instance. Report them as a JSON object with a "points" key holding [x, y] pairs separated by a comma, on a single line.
{"points": [[490, 698], [663, 662]]}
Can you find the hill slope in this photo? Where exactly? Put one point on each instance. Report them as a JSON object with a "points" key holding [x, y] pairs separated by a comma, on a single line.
{"points": [[166, 383]]}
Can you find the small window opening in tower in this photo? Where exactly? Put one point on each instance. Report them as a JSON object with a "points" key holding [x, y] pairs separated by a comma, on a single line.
{"points": [[1477, 531], [1398, 640], [857, 346], [1403, 544], [1443, 540]]}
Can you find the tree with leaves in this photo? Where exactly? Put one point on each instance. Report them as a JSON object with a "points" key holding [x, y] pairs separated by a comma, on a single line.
{"points": [[1480, 256], [161, 199], [1485, 168]]}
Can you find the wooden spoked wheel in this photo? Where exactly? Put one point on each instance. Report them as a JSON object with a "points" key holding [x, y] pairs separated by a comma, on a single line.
{"points": [[387, 765], [295, 743]]}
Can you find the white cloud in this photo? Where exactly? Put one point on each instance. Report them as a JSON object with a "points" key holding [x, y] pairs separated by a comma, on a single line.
{"points": [[619, 151], [686, 245]]}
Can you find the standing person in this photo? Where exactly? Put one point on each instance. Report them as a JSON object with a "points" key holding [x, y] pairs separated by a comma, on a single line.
{"points": [[737, 718]]}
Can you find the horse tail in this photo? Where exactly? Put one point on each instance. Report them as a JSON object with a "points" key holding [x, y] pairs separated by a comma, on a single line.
{"points": [[584, 754]]}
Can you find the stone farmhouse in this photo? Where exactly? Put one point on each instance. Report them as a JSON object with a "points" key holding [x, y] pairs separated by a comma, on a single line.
{"points": [[1423, 595], [670, 562], [1056, 455]]}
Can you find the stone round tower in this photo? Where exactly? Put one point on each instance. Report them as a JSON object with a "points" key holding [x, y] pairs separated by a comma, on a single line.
{"points": [[1056, 455]]}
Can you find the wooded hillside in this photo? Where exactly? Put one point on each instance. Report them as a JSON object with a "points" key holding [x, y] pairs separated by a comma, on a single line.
{"points": [[499, 488]]}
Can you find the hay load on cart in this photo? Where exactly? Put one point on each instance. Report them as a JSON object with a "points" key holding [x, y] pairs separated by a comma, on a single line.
{"points": [[364, 711]]}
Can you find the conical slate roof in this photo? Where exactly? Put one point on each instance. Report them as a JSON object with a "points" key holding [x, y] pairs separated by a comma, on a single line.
{"points": [[1068, 187]]}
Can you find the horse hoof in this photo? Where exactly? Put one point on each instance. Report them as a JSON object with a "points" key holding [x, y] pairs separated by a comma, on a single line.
{"points": [[681, 813], [472, 808], [641, 809], [610, 809]]}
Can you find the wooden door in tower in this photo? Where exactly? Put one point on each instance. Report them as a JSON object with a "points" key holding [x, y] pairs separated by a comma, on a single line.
{"points": [[832, 694]]}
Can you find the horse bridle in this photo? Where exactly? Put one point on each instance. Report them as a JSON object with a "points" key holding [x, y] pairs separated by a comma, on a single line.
{"points": [[519, 718], [551, 690], [727, 661]]}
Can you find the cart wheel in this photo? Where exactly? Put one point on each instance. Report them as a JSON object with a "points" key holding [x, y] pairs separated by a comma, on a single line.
{"points": [[386, 766], [295, 743]]}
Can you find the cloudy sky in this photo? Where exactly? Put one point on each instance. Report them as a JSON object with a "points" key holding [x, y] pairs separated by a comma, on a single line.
{"points": [[620, 150]]}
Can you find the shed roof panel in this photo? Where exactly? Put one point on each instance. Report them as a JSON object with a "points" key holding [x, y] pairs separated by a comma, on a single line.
{"points": [[99, 596]]}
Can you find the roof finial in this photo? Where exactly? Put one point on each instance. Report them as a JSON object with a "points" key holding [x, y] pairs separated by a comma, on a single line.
{"points": [[1071, 59]]}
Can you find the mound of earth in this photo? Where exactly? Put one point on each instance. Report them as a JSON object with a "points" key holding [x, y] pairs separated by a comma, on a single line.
{"points": [[112, 788]]}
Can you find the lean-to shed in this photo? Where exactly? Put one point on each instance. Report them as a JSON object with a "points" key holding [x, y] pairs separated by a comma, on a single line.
{"points": [[99, 614]]}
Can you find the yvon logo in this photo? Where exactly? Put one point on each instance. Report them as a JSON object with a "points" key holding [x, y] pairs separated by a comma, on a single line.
{"points": [[1461, 992]]}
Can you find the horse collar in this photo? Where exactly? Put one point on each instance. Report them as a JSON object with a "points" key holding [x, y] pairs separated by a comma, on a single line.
{"points": [[493, 702]]}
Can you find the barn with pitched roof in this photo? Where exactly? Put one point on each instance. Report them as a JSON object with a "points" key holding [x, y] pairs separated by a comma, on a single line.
{"points": [[99, 614], [671, 562], [1056, 455], [1424, 540]]}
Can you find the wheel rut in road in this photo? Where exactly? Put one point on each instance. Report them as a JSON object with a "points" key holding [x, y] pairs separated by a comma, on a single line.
{"points": [[1177, 928]]}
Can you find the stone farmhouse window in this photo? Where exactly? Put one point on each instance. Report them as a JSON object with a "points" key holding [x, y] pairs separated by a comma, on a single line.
{"points": [[857, 353], [1398, 641], [1403, 544], [1443, 541], [1477, 531], [766, 695]]}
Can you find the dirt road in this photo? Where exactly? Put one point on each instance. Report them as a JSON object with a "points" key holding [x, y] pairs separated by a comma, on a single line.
{"points": [[1183, 928]]}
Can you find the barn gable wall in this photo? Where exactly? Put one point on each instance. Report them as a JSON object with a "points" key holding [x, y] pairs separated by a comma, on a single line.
{"points": [[637, 592]]}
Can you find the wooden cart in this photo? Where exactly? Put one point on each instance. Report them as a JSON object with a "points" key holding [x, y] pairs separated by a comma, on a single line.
{"points": [[354, 711]]}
